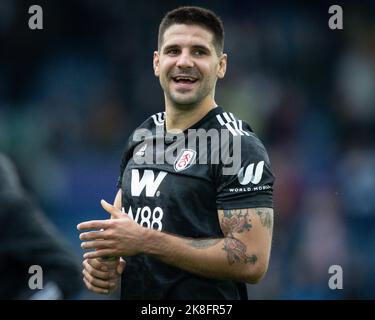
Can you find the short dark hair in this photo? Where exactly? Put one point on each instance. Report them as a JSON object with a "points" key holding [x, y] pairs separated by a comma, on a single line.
{"points": [[194, 16]]}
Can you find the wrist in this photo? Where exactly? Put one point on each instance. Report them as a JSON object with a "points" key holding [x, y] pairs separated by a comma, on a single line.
{"points": [[149, 241]]}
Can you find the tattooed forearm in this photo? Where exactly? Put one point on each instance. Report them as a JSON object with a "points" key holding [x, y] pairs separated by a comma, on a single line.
{"points": [[236, 252], [201, 244], [266, 217], [235, 220]]}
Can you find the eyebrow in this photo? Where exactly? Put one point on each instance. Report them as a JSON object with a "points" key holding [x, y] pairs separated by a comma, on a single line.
{"points": [[198, 46]]}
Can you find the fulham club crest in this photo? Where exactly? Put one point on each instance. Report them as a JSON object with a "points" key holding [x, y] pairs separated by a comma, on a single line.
{"points": [[184, 160]]}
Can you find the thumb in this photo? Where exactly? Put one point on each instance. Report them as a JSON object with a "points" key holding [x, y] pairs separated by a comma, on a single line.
{"points": [[121, 266], [112, 210]]}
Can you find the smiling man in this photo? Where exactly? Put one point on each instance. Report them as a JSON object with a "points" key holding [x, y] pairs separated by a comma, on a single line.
{"points": [[185, 229]]}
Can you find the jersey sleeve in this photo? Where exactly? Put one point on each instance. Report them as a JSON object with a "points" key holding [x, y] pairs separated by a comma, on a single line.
{"points": [[250, 182]]}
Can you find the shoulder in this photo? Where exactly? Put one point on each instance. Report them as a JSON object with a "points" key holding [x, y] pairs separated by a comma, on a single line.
{"points": [[235, 126], [238, 131], [146, 128], [151, 122], [154, 120], [157, 119]]}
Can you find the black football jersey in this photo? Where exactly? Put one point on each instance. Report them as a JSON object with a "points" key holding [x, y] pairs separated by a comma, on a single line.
{"points": [[171, 184]]}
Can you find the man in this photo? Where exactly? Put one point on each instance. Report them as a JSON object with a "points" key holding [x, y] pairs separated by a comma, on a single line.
{"points": [[186, 230], [27, 238]]}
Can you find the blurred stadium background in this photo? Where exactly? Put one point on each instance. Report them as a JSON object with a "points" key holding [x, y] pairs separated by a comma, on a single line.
{"points": [[71, 93]]}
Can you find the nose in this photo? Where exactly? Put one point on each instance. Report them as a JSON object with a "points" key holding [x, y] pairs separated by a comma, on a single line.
{"points": [[184, 60]]}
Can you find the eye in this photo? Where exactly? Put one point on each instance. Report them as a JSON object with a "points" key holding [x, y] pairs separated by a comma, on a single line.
{"points": [[199, 52], [172, 52]]}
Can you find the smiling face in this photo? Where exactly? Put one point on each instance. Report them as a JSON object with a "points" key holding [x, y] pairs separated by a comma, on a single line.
{"points": [[188, 65]]}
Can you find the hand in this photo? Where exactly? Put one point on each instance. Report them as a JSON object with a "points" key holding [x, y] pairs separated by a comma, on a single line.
{"points": [[116, 237], [101, 276]]}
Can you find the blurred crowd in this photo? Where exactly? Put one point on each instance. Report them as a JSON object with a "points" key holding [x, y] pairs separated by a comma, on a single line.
{"points": [[71, 93]]}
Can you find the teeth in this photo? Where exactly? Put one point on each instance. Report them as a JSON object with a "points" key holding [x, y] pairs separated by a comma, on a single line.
{"points": [[184, 78]]}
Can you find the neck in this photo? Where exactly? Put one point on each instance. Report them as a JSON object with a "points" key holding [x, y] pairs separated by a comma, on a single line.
{"points": [[183, 117]]}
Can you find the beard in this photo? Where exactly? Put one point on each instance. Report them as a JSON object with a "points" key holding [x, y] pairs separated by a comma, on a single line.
{"points": [[189, 98]]}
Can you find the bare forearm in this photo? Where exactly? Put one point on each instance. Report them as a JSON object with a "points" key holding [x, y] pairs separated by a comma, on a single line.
{"points": [[242, 254], [225, 258]]}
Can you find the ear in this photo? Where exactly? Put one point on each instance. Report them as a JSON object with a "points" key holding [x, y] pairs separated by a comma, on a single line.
{"points": [[222, 66], [156, 63]]}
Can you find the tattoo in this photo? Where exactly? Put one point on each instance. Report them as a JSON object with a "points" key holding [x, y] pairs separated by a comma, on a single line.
{"points": [[236, 220], [236, 252], [202, 244], [265, 216]]}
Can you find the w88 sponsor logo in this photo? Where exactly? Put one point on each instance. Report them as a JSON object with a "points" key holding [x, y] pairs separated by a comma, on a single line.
{"points": [[147, 217]]}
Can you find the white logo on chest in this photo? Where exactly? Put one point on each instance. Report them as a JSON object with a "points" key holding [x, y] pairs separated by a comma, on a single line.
{"points": [[148, 181], [184, 160]]}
